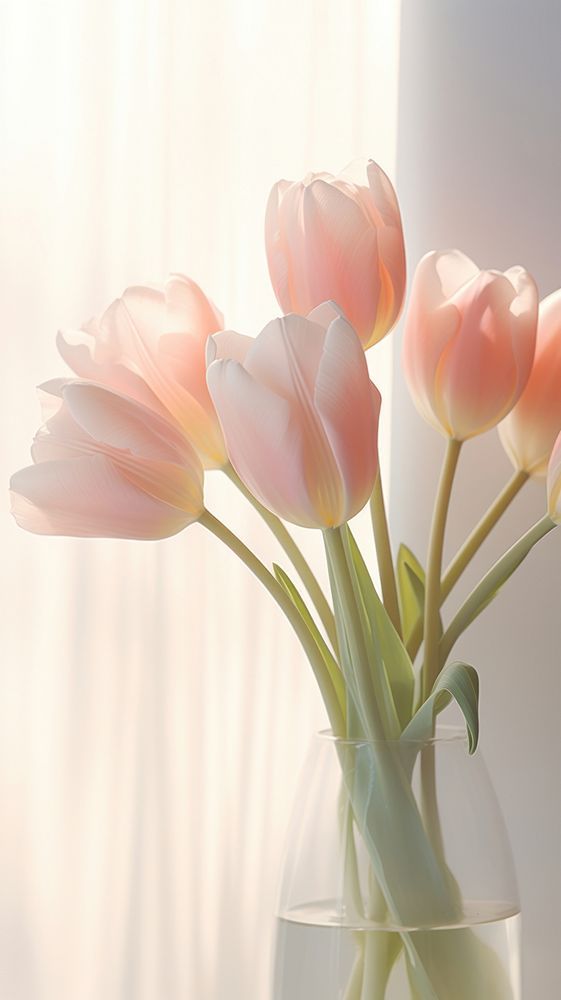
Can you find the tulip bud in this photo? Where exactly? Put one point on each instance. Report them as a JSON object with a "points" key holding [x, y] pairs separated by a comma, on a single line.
{"points": [[469, 342], [339, 238], [299, 416], [529, 431]]}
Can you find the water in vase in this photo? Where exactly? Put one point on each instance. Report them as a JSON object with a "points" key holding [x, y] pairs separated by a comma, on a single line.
{"points": [[317, 958]]}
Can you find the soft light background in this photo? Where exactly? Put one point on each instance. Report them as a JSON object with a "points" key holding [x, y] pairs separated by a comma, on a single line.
{"points": [[154, 709]]}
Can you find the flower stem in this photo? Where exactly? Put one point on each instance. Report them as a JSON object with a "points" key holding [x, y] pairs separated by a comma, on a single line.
{"points": [[302, 567], [431, 663], [333, 706], [490, 583], [474, 542], [469, 549], [384, 553]]}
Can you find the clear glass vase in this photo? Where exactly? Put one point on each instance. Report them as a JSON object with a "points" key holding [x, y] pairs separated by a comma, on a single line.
{"points": [[398, 881]]}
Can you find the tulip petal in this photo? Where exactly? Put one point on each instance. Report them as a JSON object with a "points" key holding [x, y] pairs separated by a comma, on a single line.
{"points": [[349, 406], [277, 251], [529, 431], [228, 344], [263, 440], [344, 246], [325, 313], [286, 355], [88, 497], [431, 325], [484, 374], [114, 420], [80, 350], [188, 309], [554, 482], [524, 315]]}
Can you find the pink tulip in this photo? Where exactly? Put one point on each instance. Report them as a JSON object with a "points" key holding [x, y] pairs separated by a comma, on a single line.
{"points": [[150, 345], [530, 430], [469, 342], [106, 466], [339, 238], [300, 416], [554, 482]]}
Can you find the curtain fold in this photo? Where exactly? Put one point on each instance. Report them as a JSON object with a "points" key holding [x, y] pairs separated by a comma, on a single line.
{"points": [[154, 707]]}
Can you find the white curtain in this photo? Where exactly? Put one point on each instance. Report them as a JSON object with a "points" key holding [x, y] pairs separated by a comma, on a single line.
{"points": [[153, 706]]}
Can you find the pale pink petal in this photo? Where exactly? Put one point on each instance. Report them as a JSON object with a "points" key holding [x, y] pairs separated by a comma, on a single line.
{"points": [[554, 482], [524, 316], [228, 344], [277, 251], [349, 406], [80, 350], [88, 497], [485, 373], [479, 374], [285, 356], [263, 440], [325, 313], [382, 197], [122, 423], [339, 258], [61, 438], [179, 486], [529, 431], [430, 327], [188, 309]]}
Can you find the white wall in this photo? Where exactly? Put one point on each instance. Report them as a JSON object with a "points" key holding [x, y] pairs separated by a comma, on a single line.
{"points": [[479, 167]]}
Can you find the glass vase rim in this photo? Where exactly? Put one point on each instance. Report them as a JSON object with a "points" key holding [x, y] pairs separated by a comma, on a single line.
{"points": [[446, 733]]}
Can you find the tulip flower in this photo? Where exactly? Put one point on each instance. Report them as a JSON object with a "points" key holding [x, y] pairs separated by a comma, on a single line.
{"points": [[106, 466], [469, 342], [150, 345], [529, 431], [339, 238], [300, 416]]}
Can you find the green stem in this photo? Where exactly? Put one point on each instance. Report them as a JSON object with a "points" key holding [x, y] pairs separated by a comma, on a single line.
{"points": [[434, 567], [384, 554], [481, 531], [258, 568], [492, 580], [302, 567], [352, 628], [469, 549]]}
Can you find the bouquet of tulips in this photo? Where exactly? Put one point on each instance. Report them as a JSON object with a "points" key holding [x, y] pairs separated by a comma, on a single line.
{"points": [[163, 392]]}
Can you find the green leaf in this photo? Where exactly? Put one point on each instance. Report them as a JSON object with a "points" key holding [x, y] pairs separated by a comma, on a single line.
{"points": [[411, 589], [395, 660], [488, 588], [330, 662], [486, 599], [458, 681]]}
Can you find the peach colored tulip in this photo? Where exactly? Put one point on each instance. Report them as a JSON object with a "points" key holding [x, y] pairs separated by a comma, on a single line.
{"points": [[150, 345], [339, 238], [554, 482], [469, 342], [106, 466], [529, 431], [300, 417]]}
